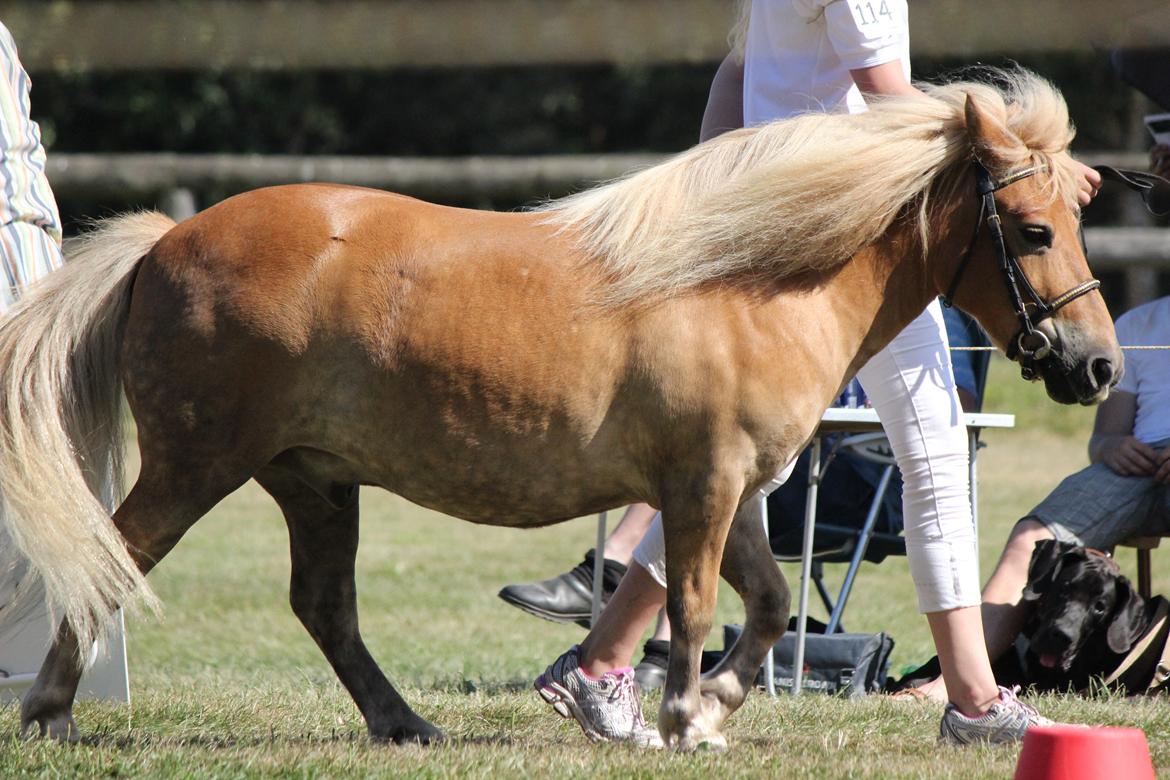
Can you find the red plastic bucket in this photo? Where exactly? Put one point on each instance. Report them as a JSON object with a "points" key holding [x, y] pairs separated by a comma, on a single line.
{"points": [[1073, 753]]}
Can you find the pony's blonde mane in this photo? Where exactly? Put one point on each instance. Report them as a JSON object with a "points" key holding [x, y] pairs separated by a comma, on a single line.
{"points": [[806, 194]]}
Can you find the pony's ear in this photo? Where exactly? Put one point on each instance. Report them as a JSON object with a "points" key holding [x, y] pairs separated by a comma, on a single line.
{"points": [[987, 138], [1126, 623], [1046, 561]]}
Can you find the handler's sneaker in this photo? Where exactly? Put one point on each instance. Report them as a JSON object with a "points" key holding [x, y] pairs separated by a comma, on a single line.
{"points": [[1006, 721], [606, 708]]}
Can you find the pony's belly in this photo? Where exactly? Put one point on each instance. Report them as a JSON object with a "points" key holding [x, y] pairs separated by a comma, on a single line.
{"points": [[522, 485]]}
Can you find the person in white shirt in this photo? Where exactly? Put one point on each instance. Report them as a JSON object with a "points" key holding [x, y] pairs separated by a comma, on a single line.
{"points": [[1124, 492], [827, 55]]}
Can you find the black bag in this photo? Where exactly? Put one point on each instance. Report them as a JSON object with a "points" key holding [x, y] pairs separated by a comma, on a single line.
{"points": [[840, 664]]}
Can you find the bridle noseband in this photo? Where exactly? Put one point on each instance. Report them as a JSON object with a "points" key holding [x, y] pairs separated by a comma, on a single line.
{"points": [[1029, 343]]}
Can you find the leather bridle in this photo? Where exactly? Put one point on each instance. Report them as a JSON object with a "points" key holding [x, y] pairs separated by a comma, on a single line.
{"points": [[1029, 344]]}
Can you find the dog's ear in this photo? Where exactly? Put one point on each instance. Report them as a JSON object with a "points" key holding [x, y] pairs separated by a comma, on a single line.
{"points": [[1128, 618], [1047, 557]]}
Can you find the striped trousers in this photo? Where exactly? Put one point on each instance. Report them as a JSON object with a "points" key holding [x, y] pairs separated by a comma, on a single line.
{"points": [[30, 225]]}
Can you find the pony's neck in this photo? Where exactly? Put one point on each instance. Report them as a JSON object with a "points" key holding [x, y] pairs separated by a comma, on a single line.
{"points": [[890, 283]]}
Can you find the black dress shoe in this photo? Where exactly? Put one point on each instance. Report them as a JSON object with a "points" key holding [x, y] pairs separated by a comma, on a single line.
{"points": [[567, 598], [650, 673]]}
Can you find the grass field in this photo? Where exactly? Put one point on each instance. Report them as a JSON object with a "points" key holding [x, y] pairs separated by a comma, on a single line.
{"points": [[228, 684]]}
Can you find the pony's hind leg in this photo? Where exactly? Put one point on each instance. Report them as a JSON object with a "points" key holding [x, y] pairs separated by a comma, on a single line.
{"points": [[323, 534], [47, 708], [155, 515], [749, 567]]}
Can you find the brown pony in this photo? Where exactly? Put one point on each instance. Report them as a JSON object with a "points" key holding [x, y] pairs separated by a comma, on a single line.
{"points": [[670, 338]]}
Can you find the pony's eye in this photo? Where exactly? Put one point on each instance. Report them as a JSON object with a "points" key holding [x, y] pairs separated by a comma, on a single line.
{"points": [[1039, 236]]}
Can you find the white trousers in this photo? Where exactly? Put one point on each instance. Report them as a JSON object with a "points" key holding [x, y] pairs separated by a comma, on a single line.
{"points": [[912, 389]]}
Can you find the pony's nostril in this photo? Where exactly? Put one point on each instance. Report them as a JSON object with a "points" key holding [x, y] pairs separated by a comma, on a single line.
{"points": [[1103, 372]]}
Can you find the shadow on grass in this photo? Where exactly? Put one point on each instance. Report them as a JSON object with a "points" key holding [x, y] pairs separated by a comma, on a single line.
{"points": [[140, 741], [132, 741], [490, 740], [490, 688]]}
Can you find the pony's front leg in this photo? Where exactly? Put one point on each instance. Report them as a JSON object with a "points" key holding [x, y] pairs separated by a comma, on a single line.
{"points": [[695, 524], [749, 567]]}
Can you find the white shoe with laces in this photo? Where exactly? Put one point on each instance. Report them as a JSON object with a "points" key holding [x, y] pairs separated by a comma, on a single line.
{"points": [[1006, 721], [607, 708]]}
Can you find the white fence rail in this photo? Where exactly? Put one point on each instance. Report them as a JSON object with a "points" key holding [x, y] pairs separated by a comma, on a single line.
{"points": [[435, 177], [464, 178]]}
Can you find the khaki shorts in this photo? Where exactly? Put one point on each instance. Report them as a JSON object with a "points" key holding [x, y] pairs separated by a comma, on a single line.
{"points": [[1097, 508]]}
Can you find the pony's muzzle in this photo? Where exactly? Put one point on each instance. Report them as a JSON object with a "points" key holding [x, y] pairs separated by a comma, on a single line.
{"points": [[1103, 372], [1074, 370]]}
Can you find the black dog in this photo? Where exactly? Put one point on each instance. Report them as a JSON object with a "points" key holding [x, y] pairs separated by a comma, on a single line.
{"points": [[1085, 617]]}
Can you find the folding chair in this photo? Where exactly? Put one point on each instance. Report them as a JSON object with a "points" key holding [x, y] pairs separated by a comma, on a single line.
{"points": [[876, 538], [1143, 545]]}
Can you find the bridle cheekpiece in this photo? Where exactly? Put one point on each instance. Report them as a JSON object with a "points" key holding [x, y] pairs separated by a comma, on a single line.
{"points": [[1029, 344]]}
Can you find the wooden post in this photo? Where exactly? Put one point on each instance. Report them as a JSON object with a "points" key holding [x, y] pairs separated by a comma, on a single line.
{"points": [[1141, 280], [179, 204]]}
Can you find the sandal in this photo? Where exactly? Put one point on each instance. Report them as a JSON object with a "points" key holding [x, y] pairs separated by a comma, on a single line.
{"points": [[911, 695]]}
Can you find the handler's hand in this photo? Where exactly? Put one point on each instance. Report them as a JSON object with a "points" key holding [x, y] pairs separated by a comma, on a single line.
{"points": [[1088, 182], [1160, 160], [1162, 475], [1129, 457]]}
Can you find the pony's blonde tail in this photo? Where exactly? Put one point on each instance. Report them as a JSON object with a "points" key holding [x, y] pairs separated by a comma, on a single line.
{"points": [[61, 433]]}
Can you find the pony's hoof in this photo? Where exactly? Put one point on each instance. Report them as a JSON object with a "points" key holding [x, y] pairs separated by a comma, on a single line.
{"points": [[708, 743], [417, 732], [715, 744], [60, 728], [433, 736]]}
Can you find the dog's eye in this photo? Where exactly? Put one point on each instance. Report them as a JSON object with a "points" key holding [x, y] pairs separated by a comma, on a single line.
{"points": [[1099, 606]]}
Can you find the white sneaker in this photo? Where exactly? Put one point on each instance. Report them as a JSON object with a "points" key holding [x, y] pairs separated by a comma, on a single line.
{"points": [[1005, 721], [606, 708]]}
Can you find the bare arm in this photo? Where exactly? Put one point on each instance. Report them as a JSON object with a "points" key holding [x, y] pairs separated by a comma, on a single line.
{"points": [[1113, 443], [1162, 475], [884, 79], [725, 103]]}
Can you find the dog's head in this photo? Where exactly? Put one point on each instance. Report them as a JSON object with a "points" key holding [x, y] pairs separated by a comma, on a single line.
{"points": [[1077, 596]]}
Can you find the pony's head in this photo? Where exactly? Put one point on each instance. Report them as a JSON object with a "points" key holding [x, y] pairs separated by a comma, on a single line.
{"points": [[1023, 273]]}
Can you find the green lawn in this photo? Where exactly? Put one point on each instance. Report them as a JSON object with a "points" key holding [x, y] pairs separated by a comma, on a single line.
{"points": [[227, 684]]}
